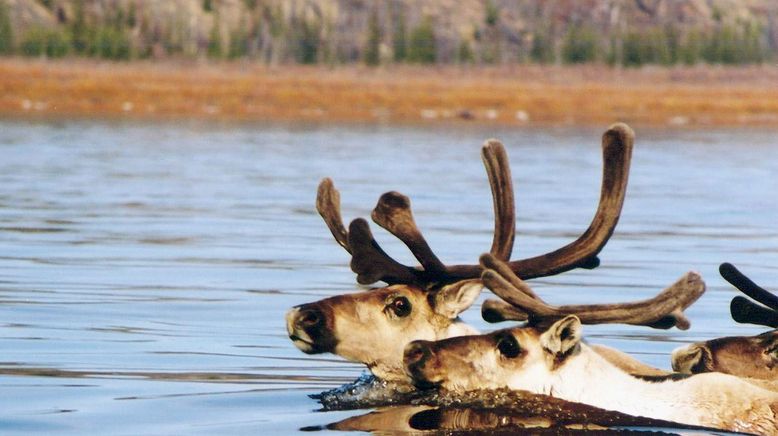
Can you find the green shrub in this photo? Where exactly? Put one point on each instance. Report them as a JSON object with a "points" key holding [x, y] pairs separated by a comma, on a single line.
{"points": [[110, 43], [399, 38], [580, 45], [465, 53], [422, 47], [6, 31], [239, 44], [306, 39], [373, 47], [215, 40], [39, 41], [542, 50]]}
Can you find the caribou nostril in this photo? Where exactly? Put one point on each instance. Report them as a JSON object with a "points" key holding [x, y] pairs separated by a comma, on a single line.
{"points": [[309, 317], [415, 353]]}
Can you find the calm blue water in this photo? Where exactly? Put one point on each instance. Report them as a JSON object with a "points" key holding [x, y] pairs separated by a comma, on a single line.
{"points": [[145, 269]]}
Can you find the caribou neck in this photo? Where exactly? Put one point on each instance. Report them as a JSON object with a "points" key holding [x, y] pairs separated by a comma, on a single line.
{"points": [[586, 377]]}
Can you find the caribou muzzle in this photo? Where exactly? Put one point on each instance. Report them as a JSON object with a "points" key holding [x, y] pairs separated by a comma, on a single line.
{"points": [[418, 359], [310, 328]]}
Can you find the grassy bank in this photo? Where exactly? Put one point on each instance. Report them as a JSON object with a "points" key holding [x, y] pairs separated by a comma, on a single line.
{"points": [[508, 95]]}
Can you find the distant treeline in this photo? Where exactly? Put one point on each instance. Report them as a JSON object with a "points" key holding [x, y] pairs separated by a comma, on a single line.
{"points": [[266, 32]]}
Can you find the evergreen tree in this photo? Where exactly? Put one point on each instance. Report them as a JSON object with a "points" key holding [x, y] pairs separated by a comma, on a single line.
{"points": [[239, 42], [673, 41], [33, 42], [399, 38], [631, 50], [79, 32], [580, 45], [6, 31], [306, 41], [373, 48], [215, 40], [57, 43], [40, 41], [542, 50], [492, 14], [422, 45], [465, 53], [132, 18], [691, 47]]}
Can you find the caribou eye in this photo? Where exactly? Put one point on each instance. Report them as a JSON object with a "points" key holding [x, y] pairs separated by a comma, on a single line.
{"points": [[508, 346], [400, 306]]}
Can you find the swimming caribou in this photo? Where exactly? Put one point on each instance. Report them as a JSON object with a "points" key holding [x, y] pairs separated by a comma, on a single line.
{"points": [[372, 327], [547, 356], [745, 356]]}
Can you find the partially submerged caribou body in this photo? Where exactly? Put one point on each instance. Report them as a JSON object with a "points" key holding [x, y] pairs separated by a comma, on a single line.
{"points": [[744, 356], [372, 327], [548, 356]]}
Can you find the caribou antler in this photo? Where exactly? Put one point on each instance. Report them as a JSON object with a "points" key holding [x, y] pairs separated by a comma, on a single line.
{"points": [[393, 213], [744, 310], [617, 143], [663, 311]]}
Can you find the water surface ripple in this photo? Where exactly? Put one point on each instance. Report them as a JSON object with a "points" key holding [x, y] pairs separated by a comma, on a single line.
{"points": [[145, 269]]}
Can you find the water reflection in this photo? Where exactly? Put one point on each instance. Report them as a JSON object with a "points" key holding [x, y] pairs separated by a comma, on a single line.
{"points": [[471, 420], [425, 419]]}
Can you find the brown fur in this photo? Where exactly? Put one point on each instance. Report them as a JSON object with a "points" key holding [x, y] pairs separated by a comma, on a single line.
{"points": [[743, 356]]}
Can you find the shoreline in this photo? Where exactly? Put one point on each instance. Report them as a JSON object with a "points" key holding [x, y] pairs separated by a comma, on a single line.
{"points": [[519, 95]]}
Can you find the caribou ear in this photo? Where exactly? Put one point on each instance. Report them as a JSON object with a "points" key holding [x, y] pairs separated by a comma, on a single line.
{"points": [[563, 336], [453, 299], [692, 359]]}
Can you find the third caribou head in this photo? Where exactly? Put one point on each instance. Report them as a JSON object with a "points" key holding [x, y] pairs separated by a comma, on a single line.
{"points": [[744, 356]]}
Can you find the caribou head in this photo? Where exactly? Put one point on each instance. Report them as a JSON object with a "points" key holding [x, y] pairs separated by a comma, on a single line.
{"points": [[372, 327], [745, 356], [527, 357]]}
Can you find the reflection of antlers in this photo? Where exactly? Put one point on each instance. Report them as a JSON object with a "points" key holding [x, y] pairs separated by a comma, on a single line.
{"points": [[663, 311], [744, 310], [393, 213]]}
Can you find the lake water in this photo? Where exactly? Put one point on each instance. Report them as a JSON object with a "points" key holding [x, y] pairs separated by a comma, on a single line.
{"points": [[145, 269]]}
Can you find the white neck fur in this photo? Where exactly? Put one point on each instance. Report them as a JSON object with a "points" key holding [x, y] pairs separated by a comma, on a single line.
{"points": [[586, 377]]}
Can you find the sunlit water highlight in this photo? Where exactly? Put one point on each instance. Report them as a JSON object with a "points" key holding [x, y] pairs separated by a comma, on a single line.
{"points": [[145, 269]]}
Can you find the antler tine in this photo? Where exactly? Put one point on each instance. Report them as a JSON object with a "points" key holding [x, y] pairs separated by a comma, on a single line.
{"points": [[499, 172], [371, 263], [617, 144], [494, 311], [489, 261], [748, 287], [368, 260], [393, 213], [328, 206], [663, 311], [745, 311]]}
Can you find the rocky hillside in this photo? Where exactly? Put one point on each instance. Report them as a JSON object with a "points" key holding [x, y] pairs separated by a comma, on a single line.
{"points": [[630, 32]]}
